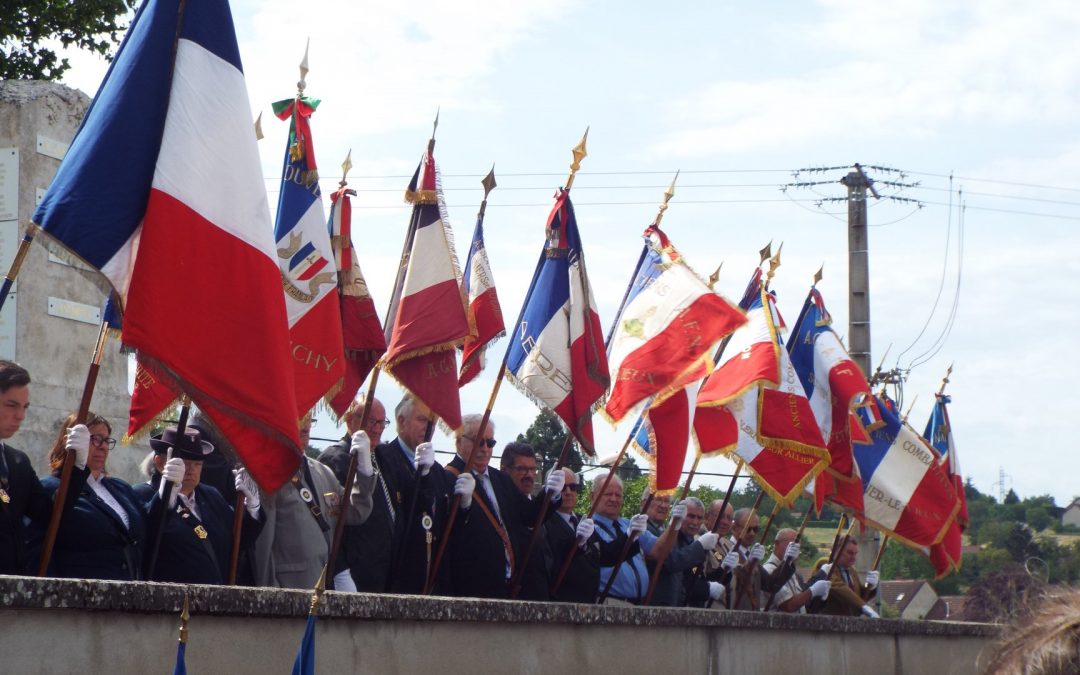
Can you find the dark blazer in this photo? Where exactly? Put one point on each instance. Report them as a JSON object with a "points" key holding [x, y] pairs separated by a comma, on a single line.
{"points": [[27, 499], [477, 557], [184, 557], [671, 589], [93, 542], [582, 581]]}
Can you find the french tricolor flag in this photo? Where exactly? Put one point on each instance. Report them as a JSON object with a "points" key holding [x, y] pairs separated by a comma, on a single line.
{"points": [[485, 313], [556, 355], [162, 191]]}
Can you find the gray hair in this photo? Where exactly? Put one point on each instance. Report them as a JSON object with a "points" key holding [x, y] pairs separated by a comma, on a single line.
{"points": [[598, 481], [404, 407], [693, 501], [471, 423]]}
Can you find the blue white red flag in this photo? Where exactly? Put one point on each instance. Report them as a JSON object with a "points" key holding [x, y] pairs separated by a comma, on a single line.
{"points": [[485, 313], [663, 437], [362, 334], [834, 385], [556, 355], [906, 492], [665, 331], [946, 556], [162, 191], [427, 321], [306, 257]]}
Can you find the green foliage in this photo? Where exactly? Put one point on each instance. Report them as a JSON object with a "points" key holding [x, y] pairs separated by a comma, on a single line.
{"points": [[26, 25], [901, 562], [547, 435]]}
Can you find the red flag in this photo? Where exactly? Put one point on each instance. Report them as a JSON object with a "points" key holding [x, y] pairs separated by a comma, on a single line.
{"points": [[149, 397], [362, 333], [485, 314], [427, 319]]}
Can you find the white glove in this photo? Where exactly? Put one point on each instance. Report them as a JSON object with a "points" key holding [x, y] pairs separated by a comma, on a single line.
{"points": [[463, 487], [172, 472], [78, 440], [820, 589], [343, 582], [554, 485], [730, 561], [716, 591], [361, 446], [245, 484], [425, 458], [872, 578], [708, 541], [827, 569], [637, 525], [869, 612], [757, 552], [585, 529], [678, 513], [793, 550]]}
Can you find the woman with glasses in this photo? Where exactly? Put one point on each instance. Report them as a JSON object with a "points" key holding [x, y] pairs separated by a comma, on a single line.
{"points": [[102, 537]]}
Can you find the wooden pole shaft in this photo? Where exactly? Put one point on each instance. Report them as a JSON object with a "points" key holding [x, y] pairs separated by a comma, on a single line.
{"points": [[515, 582], [622, 558], [237, 526], [16, 263], [166, 493], [662, 554]]}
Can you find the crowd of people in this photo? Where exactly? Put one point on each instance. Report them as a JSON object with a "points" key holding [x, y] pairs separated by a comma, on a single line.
{"points": [[178, 525]]}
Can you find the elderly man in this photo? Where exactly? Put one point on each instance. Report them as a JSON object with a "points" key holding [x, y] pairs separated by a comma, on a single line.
{"points": [[519, 462], [493, 527], [632, 581], [795, 594], [688, 551], [659, 508], [847, 594], [748, 578], [294, 545], [713, 571]]}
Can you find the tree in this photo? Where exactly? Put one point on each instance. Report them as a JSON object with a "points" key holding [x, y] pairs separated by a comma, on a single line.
{"points": [[546, 436], [26, 25]]}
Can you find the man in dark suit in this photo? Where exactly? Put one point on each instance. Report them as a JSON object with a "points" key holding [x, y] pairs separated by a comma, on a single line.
{"points": [[493, 528], [196, 534], [21, 494], [847, 596]]}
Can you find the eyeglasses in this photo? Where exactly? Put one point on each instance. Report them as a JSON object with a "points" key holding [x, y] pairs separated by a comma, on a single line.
{"points": [[753, 528], [103, 441], [573, 487], [378, 423], [524, 469]]}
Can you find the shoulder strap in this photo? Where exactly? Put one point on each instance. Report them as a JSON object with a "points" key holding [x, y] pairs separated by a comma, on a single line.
{"points": [[500, 530], [189, 519]]}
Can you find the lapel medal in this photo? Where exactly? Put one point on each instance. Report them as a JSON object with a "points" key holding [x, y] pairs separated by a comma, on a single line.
{"points": [[200, 532]]}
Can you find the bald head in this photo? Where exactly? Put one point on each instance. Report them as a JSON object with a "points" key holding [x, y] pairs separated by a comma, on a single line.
{"points": [[725, 522], [783, 538]]}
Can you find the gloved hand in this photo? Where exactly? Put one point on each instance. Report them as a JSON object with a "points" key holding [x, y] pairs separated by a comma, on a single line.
{"points": [[708, 541], [78, 440], [172, 472], [425, 458], [716, 591], [343, 582], [730, 561], [872, 578], [637, 525], [757, 552], [246, 484], [463, 487], [554, 484], [870, 612], [585, 529], [827, 569], [361, 446], [820, 589], [678, 513], [793, 550]]}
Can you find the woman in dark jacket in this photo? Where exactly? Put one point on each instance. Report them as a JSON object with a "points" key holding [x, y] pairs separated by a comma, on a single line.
{"points": [[103, 536]]}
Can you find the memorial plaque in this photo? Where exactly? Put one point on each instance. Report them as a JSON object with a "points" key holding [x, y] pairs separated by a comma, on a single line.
{"points": [[76, 311], [9, 184], [9, 245], [50, 147]]}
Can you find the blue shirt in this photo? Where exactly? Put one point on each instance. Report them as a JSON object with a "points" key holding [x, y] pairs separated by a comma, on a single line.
{"points": [[632, 582]]}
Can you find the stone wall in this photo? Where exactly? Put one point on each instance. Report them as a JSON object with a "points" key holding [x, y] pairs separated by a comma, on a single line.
{"points": [[65, 626]]}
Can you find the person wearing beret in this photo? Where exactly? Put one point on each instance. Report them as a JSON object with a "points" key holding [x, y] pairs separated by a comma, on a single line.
{"points": [[22, 497], [104, 534], [196, 536]]}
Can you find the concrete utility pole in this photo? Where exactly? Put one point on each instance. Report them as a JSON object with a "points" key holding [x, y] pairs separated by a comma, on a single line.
{"points": [[857, 184]]}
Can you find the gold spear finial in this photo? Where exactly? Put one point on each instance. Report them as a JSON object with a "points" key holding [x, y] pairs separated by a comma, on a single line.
{"points": [[316, 597], [765, 253], [345, 166], [910, 407], [668, 194], [945, 380], [434, 128], [774, 264], [258, 127], [819, 275], [489, 184], [302, 84], [185, 616], [579, 154], [715, 276]]}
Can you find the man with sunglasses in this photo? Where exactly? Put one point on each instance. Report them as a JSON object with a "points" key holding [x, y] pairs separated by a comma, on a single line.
{"points": [[492, 529], [748, 578]]}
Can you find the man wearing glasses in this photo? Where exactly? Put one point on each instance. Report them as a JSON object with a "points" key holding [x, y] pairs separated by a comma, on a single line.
{"points": [[749, 578], [493, 526]]}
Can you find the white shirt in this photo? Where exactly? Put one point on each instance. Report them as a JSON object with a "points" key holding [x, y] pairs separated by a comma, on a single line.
{"points": [[104, 495], [189, 502]]}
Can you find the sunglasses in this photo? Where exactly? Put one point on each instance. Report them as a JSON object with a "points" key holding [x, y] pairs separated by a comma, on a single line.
{"points": [[572, 487], [490, 442], [103, 441]]}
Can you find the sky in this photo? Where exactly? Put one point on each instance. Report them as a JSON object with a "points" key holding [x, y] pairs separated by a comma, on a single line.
{"points": [[965, 111]]}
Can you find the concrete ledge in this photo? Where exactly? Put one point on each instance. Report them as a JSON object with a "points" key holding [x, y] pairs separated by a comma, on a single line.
{"points": [[385, 633]]}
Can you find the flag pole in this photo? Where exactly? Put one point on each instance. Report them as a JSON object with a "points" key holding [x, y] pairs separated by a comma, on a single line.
{"points": [[181, 426], [60, 496], [622, 555], [579, 153], [944, 380], [519, 571], [798, 539], [662, 554], [17, 262], [749, 568]]}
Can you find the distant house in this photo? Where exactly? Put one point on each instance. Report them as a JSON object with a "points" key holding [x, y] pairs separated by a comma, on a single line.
{"points": [[948, 608], [1071, 515], [913, 599]]}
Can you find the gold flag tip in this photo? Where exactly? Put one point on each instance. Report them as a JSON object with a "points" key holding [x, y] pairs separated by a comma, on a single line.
{"points": [[345, 167], [819, 275], [580, 153], [766, 252], [258, 127], [304, 67]]}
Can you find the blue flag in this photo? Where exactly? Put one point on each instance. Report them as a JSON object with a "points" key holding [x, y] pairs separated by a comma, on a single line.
{"points": [[305, 657]]}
